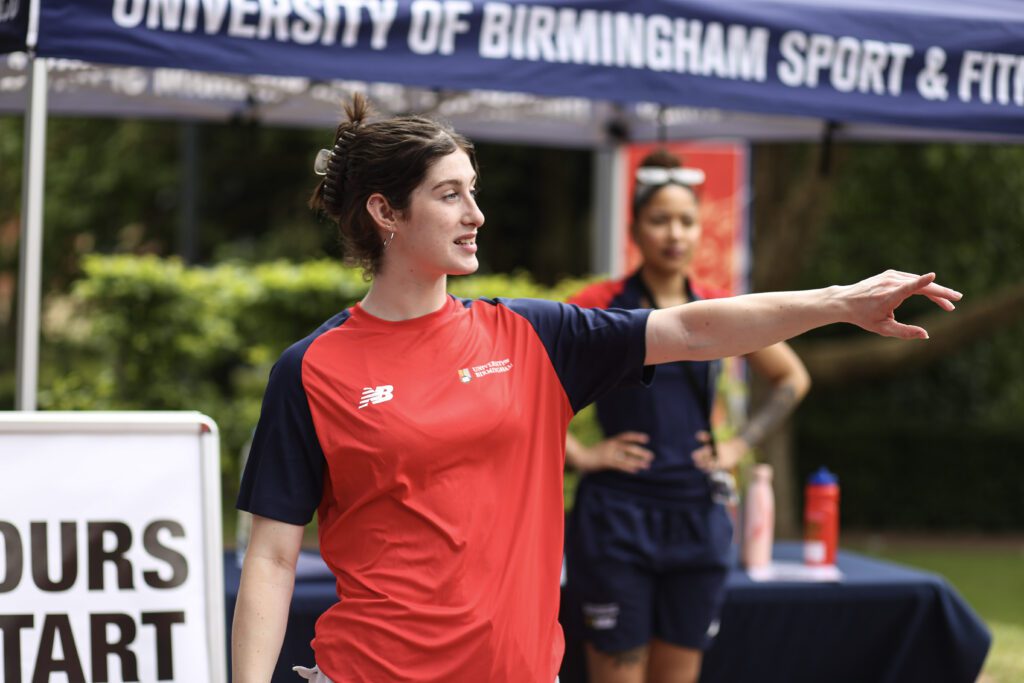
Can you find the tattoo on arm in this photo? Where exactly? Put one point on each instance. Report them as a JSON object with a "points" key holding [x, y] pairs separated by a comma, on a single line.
{"points": [[775, 410]]}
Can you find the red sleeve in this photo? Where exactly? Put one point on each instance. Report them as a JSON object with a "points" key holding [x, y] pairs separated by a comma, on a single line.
{"points": [[597, 295]]}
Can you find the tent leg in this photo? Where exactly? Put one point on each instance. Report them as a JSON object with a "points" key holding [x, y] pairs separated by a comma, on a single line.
{"points": [[31, 242], [188, 221], [607, 255]]}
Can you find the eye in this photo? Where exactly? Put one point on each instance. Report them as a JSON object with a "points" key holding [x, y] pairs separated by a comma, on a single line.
{"points": [[451, 196], [475, 192]]}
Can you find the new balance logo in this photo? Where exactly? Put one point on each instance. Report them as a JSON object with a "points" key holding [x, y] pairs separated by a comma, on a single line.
{"points": [[376, 395]]}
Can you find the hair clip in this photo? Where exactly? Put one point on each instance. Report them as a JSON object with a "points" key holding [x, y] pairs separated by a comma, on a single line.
{"points": [[323, 158], [658, 175]]}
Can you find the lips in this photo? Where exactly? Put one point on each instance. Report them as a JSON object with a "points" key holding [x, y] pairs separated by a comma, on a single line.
{"points": [[466, 240]]}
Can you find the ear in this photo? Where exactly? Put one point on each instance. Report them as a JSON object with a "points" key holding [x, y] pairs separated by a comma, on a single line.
{"points": [[383, 214]]}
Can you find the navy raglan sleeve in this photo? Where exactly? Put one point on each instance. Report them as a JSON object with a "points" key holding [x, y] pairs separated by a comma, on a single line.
{"points": [[593, 350], [283, 477]]}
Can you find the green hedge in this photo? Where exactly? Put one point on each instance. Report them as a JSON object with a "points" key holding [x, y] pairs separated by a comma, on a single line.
{"points": [[144, 333], [920, 477]]}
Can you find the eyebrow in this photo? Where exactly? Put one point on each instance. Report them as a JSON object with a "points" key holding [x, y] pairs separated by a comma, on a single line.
{"points": [[452, 181]]}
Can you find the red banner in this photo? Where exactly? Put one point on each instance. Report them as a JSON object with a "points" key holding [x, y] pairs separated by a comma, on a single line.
{"points": [[722, 258]]}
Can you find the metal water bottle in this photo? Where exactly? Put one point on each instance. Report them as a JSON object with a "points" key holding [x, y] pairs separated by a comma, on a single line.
{"points": [[821, 518]]}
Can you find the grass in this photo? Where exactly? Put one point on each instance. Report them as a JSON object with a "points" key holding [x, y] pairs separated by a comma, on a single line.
{"points": [[987, 572]]}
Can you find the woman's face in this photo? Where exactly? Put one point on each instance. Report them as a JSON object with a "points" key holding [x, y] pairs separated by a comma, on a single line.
{"points": [[436, 234], [667, 229]]}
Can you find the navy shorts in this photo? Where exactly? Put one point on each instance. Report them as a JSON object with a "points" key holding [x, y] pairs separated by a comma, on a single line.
{"points": [[640, 569]]}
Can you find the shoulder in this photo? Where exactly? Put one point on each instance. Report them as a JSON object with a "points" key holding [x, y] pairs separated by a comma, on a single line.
{"points": [[524, 307], [548, 318], [598, 295], [291, 359]]}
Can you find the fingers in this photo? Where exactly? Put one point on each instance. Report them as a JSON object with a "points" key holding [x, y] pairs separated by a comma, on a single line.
{"points": [[914, 284], [624, 452], [942, 303], [702, 458], [636, 456], [629, 466], [925, 280], [926, 286], [893, 328], [632, 437], [625, 463], [943, 296]]}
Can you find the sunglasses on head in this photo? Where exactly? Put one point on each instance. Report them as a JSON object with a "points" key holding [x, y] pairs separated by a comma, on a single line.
{"points": [[656, 175]]}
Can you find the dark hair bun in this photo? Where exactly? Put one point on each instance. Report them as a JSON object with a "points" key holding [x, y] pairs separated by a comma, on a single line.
{"points": [[327, 196], [662, 158]]}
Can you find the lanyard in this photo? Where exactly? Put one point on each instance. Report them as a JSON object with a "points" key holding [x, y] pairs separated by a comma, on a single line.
{"points": [[703, 395]]}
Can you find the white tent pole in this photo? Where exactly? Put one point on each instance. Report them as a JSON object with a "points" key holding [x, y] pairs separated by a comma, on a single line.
{"points": [[31, 242], [607, 252]]}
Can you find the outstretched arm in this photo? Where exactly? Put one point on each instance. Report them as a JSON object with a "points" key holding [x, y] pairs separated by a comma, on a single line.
{"points": [[703, 330]]}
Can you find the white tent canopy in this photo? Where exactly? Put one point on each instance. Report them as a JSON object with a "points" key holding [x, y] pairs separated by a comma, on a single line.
{"points": [[77, 88]]}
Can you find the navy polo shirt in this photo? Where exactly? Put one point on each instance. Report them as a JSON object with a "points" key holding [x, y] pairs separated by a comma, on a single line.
{"points": [[670, 411]]}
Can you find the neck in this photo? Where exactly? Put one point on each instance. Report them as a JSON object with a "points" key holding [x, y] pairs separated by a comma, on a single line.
{"points": [[668, 287], [402, 296]]}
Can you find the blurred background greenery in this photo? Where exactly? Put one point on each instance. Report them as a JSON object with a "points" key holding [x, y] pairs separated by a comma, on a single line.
{"points": [[166, 294]]}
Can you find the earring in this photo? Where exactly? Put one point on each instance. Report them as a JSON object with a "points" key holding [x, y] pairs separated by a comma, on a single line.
{"points": [[388, 240]]}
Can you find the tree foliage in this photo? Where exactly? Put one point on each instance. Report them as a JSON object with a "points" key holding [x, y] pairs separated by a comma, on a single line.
{"points": [[954, 209], [120, 187], [146, 333], [823, 216]]}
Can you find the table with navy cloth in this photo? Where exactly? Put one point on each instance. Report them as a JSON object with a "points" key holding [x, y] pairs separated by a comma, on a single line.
{"points": [[883, 623]]}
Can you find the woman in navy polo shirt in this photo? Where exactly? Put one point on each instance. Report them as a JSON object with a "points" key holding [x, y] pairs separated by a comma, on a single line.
{"points": [[649, 539]]}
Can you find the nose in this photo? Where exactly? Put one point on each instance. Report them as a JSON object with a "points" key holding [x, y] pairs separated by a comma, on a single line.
{"points": [[474, 216]]}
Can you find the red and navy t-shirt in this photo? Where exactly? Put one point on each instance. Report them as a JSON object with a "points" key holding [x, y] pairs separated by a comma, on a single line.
{"points": [[671, 411], [432, 450]]}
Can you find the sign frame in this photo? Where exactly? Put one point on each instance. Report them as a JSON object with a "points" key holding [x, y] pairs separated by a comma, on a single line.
{"points": [[157, 423]]}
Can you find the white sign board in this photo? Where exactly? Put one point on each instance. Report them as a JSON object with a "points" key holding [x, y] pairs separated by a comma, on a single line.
{"points": [[110, 548]]}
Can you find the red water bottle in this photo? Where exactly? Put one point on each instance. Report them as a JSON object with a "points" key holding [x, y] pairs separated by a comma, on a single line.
{"points": [[821, 518]]}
